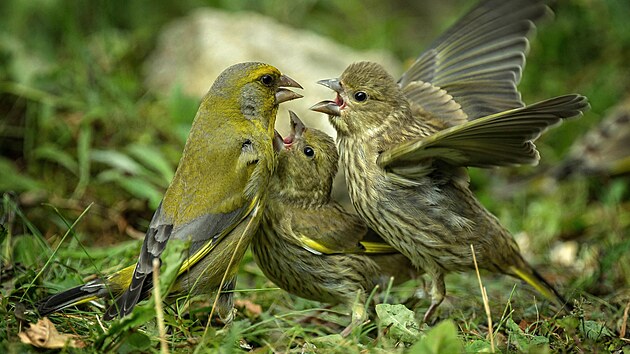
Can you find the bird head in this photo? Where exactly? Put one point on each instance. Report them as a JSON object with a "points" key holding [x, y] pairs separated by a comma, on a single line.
{"points": [[366, 95], [307, 165], [253, 90]]}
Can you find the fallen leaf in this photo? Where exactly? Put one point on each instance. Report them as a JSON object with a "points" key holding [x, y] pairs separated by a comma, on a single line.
{"points": [[251, 308], [43, 334], [523, 325]]}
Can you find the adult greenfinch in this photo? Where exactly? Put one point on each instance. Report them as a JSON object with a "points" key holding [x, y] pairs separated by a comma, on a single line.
{"points": [[307, 244], [215, 199], [404, 145]]}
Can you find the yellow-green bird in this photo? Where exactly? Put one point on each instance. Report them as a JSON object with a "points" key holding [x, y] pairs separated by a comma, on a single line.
{"points": [[215, 198], [307, 244], [405, 145]]}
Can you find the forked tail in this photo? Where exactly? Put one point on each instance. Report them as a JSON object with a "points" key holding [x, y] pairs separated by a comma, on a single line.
{"points": [[75, 296], [111, 287]]}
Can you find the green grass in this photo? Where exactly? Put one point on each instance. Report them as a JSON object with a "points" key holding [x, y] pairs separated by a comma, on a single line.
{"points": [[79, 190]]}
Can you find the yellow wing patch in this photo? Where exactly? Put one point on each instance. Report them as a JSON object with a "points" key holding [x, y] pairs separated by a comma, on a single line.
{"points": [[209, 246], [122, 278], [377, 247], [315, 247], [362, 248]]}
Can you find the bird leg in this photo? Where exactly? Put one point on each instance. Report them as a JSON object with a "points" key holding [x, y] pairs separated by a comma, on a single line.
{"points": [[418, 295], [438, 292], [225, 305]]}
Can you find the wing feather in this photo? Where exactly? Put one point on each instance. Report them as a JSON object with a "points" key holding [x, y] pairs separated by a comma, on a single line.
{"points": [[502, 139], [332, 230], [489, 43], [204, 232]]}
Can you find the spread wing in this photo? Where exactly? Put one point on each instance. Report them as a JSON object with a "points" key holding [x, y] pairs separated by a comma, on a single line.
{"points": [[204, 232], [502, 139], [331, 230], [433, 102], [480, 59]]}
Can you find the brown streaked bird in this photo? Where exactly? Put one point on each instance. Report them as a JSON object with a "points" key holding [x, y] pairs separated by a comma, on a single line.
{"points": [[405, 145], [603, 150], [307, 244]]}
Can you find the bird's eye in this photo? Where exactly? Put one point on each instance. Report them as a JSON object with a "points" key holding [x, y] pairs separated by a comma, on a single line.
{"points": [[247, 145], [360, 96], [308, 151], [266, 79]]}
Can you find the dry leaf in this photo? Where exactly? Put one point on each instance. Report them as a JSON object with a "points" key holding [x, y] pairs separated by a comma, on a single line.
{"points": [[523, 325], [43, 334], [251, 308]]}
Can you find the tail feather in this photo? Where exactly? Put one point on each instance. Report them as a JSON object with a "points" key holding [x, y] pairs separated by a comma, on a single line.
{"points": [[71, 297], [533, 278], [111, 287], [116, 309]]}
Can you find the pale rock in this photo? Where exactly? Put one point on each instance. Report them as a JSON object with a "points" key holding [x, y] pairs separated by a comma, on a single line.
{"points": [[565, 253], [193, 50]]}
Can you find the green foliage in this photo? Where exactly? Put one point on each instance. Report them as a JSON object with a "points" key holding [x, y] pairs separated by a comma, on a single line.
{"points": [[440, 339], [141, 171], [13, 181], [523, 341], [122, 334], [399, 322]]}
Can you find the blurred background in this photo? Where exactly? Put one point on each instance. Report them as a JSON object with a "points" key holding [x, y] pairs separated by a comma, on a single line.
{"points": [[96, 99]]}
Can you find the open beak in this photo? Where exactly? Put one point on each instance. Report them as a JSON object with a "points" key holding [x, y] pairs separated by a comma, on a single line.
{"points": [[332, 108], [282, 94], [297, 128], [278, 143], [333, 84], [327, 107]]}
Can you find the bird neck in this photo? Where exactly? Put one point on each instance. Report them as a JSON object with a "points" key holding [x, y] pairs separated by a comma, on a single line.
{"points": [[304, 199]]}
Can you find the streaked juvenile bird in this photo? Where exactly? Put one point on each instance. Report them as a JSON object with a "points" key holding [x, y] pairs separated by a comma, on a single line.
{"points": [[215, 199], [603, 150], [405, 145], [307, 244]]}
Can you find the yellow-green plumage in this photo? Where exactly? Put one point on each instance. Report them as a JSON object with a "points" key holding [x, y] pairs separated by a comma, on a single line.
{"points": [[110, 286], [307, 244], [215, 197], [405, 145]]}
